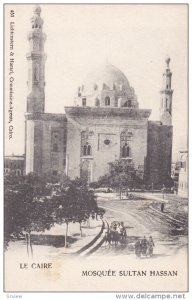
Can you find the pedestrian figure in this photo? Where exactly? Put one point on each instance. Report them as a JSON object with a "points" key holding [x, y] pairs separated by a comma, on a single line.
{"points": [[144, 246], [121, 226], [138, 248], [162, 207], [150, 246], [163, 190], [118, 229]]}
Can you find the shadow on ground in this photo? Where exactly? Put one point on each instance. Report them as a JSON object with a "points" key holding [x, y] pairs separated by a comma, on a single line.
{"points": [[51, 240]]}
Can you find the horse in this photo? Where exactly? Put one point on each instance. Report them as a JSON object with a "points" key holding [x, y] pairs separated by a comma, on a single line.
{"points": [[112, 237], [108, 237]]}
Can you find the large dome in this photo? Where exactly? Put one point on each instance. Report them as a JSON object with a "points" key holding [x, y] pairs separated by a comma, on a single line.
{"points": [[106, 86], [107, 75]]}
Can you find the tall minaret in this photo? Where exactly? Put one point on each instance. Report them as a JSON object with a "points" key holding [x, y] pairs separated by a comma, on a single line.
{"points": [[36, 96], [166, 96], [36, 64]]}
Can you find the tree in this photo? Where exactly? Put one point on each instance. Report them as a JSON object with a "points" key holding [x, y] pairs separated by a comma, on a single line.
{"points": [[121, 175], [94, 185], [27, 208], [75, 204], [10, 207]]}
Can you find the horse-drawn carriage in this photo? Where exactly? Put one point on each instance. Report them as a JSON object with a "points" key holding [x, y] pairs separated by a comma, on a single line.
{"points": [[116, 233]]}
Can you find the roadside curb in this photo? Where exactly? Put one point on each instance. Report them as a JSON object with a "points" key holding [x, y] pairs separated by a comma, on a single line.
{"points": [[101, 241], [90, 244], [150, 197]]}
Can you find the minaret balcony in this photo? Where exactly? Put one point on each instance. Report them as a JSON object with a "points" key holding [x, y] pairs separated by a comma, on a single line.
{"points": [[36, 34], [85, 157], [36, 55], [166, 91], [128, 158]]}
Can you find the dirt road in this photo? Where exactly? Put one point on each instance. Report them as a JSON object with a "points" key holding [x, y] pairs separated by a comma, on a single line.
{"points": [[144, 218]]}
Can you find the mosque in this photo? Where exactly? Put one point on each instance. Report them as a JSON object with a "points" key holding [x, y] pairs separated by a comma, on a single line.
{"points": [[104, 124]]}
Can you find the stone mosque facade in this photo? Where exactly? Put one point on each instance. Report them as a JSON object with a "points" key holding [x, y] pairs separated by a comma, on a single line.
{"points": [[104, 124]]}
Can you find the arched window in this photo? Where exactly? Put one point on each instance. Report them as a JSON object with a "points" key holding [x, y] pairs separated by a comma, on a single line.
{"points": [[88, 150], [84, 102], [85, 150], [55, 141], [166, 103], [55, 147], [36, 73], [97, 102], [127, 103], [107, 101], [125, 150]]}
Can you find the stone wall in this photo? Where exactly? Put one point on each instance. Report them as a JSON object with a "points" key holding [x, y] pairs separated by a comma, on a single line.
{"points": [[41, 158], [101, 128], [29, 146], [159, 153], [73, 149], [183, 183], [150, 143]]}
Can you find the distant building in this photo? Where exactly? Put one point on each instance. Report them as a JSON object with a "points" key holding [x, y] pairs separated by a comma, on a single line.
{"points": [[175, 167], [183, 175], [14, 164], [103, 125], [179, 174]]}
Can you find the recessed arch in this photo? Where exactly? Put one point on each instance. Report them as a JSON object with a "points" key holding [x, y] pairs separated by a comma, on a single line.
{"points": [[97, 102], [107, 101]]}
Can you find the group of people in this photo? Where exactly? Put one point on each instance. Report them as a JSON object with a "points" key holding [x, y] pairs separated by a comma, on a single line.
{"points": [[144, 247], [117, 233]]}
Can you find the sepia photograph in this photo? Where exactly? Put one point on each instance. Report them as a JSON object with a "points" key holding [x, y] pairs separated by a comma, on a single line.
{"points": [[96, 148]]}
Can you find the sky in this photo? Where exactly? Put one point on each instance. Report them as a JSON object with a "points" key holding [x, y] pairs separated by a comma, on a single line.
{"points": [[134, 38]]}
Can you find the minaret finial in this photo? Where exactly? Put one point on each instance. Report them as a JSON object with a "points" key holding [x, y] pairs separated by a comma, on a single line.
{"points": [[166, 96], [36, 58], [36, 20], [37, 10], [167, 60]]}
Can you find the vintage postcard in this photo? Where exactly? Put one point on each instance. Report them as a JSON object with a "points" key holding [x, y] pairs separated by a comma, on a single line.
{"points": [[96, 148]]}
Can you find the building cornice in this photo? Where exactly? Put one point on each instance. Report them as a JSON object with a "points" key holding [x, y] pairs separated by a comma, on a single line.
{"points": [[131, 113], [45, 116]]}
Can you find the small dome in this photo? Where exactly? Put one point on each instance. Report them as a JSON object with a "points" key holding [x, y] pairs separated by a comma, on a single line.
{"points": [[105, 76]]}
